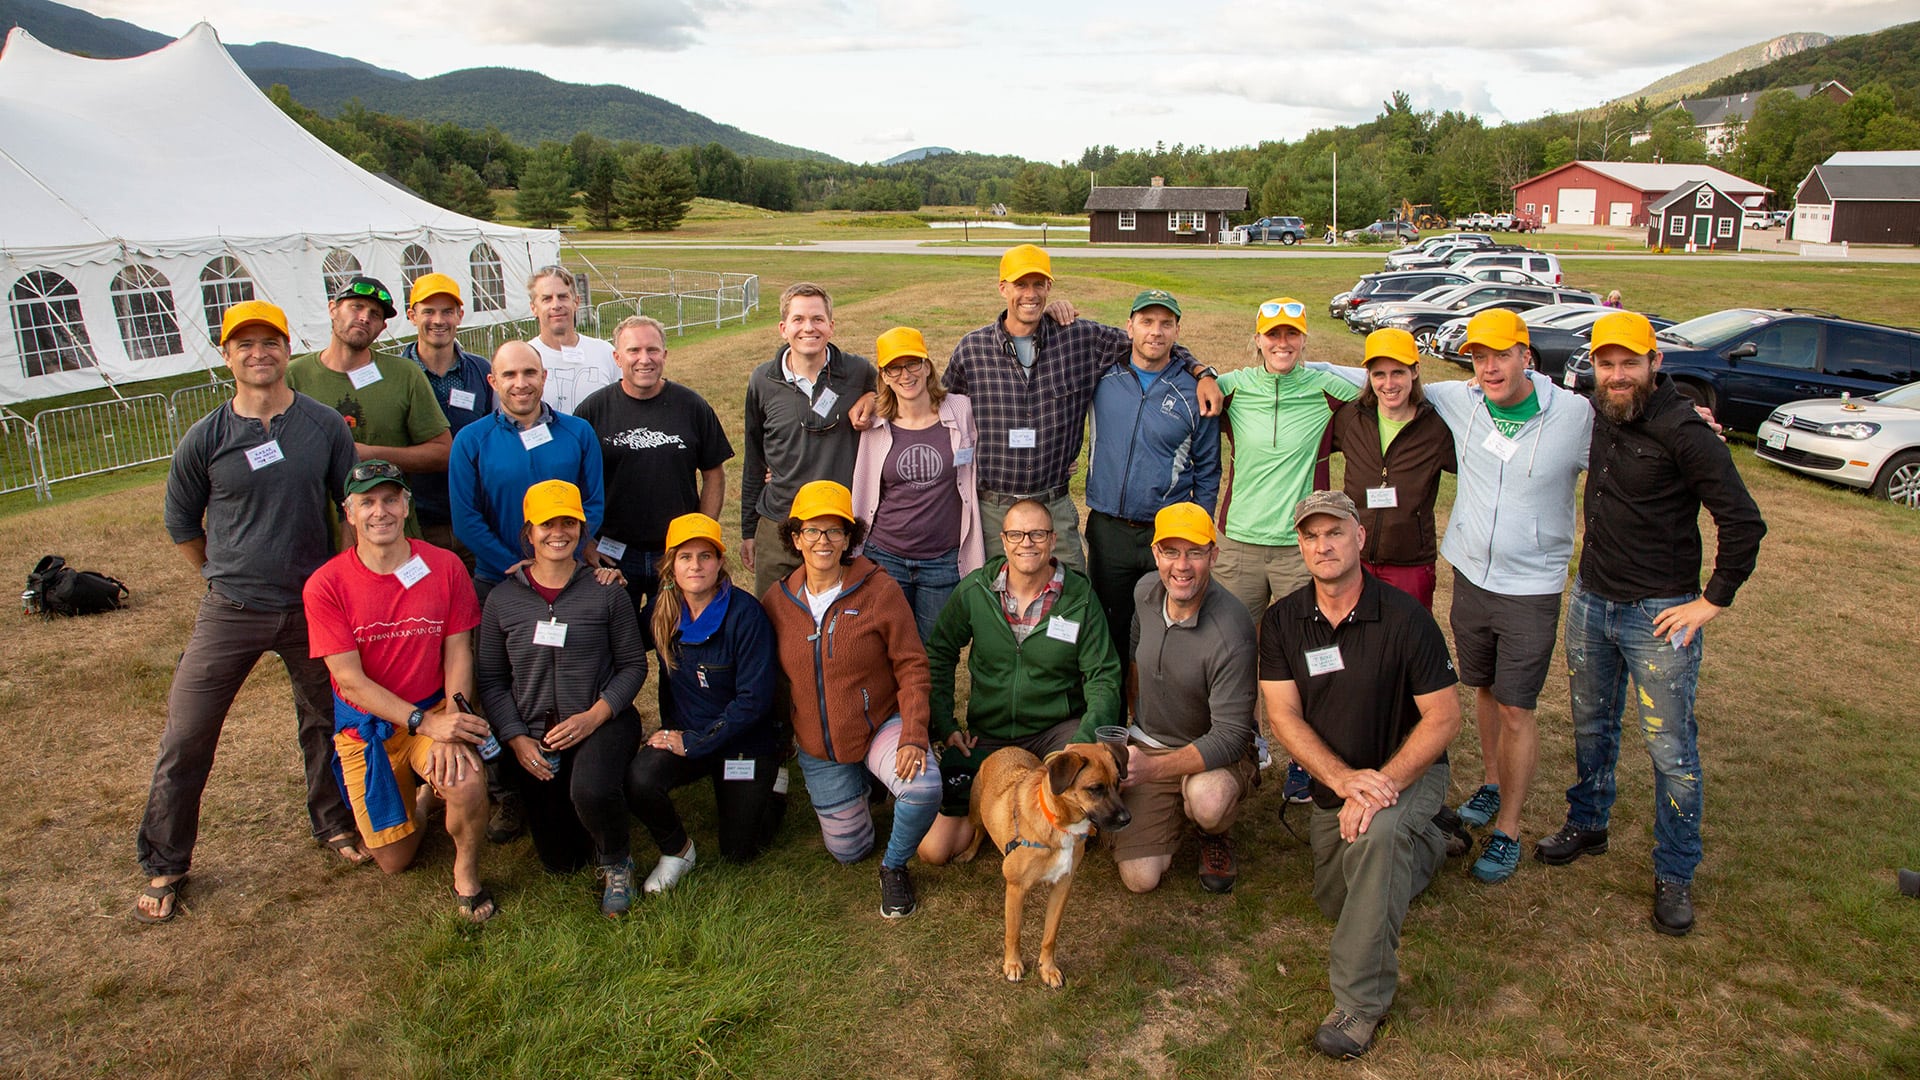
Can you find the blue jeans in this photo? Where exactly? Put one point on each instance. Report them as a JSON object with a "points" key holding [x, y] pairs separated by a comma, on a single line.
{"points": [[839, 794], [927, 582], [1607, 643]]}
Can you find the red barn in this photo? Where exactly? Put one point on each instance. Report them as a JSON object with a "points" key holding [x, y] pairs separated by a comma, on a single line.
{"points": [[1619, 192]]}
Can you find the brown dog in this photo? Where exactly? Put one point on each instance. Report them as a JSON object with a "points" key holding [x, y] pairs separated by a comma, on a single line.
{"points": [[1039, 815]]}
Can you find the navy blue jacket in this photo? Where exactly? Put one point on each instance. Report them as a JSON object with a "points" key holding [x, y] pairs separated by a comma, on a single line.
{"points": [[1151, 446], [719, 695]]}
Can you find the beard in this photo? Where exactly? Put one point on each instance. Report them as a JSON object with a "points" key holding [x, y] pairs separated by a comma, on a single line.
{"points": [[1624, 411]]}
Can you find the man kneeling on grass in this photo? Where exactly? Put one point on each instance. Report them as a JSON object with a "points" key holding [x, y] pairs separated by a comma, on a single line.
{"points": [[394, 619]]}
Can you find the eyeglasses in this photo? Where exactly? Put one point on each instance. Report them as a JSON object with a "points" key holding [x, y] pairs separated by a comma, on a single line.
{"points": [[1293, 311], [813, 536], [1024, 536], [905, 367], [374, 470], [370, 288]]}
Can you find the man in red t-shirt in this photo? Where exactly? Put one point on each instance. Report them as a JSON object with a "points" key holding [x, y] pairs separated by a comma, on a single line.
{"points": [[393, 618]]}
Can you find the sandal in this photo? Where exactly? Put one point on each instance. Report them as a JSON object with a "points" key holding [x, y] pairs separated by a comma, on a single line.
{"points": [[471, 905], [173, 890], [341, 843]]}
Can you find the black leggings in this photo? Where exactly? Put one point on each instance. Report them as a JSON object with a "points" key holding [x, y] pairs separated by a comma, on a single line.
{"points": [[581, 814], [748, 810]]}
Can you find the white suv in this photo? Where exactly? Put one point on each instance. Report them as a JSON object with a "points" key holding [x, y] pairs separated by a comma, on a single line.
{"points": [[1538, 263]]}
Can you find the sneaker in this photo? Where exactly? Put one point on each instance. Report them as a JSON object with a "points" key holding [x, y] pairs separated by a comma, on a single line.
{"points": [[1672, 907], [668, 871], [1459, 840], [1298, 788], [1499, 859], [1910, 882], [1217, 869], [1570, 843], [896, 893], [509, 819], [1344, 1036], [1482, 807], [617, 896]]}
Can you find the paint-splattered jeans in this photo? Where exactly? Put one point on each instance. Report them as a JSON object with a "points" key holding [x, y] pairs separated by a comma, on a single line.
{"points": [[1608, 643]]}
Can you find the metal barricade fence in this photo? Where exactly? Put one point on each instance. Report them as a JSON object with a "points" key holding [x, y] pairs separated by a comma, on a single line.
{"points": [[18, 469], [191, 403], [87, 440]]}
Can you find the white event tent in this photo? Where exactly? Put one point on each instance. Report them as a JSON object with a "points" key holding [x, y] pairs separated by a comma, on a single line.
{"points": [[140, 198]]}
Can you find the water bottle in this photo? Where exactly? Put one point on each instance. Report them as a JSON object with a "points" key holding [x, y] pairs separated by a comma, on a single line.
{"points": [[490, 748]]}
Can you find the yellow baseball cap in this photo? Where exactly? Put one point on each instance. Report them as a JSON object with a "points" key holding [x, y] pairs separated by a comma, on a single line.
{"points": [[1629, 329], [1026, 259], [551, 499], [252, 311], [898, 344], [1497, 329], [1281, 311], [429, 285], [1391, 344], [694, 527], [823, 498], [1183, 521]]}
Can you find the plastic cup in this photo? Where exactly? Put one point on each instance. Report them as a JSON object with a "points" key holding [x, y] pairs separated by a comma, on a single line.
{"points": [[1115, 736]]}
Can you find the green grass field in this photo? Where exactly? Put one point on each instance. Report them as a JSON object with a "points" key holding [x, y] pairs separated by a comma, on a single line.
{"points": [[1802, 964]]}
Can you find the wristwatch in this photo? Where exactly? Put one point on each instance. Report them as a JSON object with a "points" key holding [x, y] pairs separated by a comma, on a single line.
{"points": [[1203, 371], [413, 721]]}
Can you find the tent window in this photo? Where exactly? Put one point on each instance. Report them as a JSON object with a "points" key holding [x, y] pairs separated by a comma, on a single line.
{"points": [[47, 325], [415, 264], [223, 284], [339, 268], [143, 305], [489, 282]]}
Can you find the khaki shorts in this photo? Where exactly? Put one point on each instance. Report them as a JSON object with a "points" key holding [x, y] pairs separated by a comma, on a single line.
{"points": [[408, 756], [1160, 815]]}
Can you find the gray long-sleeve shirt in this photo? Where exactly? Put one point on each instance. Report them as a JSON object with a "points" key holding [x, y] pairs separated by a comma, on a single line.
{"points": [[1196, 677], [793, 439], [265, 526], [527, 685]]}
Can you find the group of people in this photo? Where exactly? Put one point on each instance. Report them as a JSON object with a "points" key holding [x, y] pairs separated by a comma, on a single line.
{"points": [[409, 534]]}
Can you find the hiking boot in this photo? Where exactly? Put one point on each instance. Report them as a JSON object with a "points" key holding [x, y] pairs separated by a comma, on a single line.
{"points": [[1459, 840], [1482, 807], [1910, 882], [1499, 859], [617, 895], [896, 893], [669, 870], [1570, 843], [1297, 789], [1672, 907], [1344, 1036], [509, 819], [1217, 869]]}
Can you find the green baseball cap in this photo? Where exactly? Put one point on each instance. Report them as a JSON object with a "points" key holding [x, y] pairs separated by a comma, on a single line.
{"points": [[1155, 298], [373, 472]]}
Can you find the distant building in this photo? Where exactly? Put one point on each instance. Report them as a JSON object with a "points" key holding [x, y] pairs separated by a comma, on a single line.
{"points": [[1718, 119], [1159, 214], [1696, 213], [1619, 192], [1860, 197]]}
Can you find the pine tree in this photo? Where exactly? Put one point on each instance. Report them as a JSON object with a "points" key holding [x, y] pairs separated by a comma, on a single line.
{"points": [[656, 191], [545, 198], [463, 192]]}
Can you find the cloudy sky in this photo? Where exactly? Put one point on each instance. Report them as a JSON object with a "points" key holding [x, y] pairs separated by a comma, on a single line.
{"points": [[863, 80]]}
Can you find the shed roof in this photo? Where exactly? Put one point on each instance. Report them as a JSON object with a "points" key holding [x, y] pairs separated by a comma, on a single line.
{"points": [[1870, 182], [1167, 198], [1684, 191]]}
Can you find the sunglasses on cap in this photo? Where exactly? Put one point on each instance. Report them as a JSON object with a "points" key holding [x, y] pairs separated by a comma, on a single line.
{"points": [[369, 288], [373, 470], [1293, 311]]}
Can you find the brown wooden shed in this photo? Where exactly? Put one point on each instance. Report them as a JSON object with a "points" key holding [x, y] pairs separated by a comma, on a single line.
{"points": [[1161, 215], [1697, 213]]}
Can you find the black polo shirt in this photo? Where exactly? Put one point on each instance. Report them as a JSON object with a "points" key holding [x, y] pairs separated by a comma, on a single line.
{"points": [[1389, 652]]}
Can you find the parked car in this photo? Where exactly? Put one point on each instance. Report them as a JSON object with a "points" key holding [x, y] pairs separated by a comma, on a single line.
{"points": [[1398, 257], [1385, 230], [1481, 220], [1871, 443], [1538, 263], [1396, 285], [1507, 274], [1449, 343], [1501, 222], [1743, 363], [1287, 230], [1758, 219], [1423, 318]]}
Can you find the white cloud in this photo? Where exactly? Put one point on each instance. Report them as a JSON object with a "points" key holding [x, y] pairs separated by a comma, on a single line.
{"points": [[652, 25]]}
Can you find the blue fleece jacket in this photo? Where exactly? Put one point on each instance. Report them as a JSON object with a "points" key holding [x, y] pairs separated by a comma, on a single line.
{"points": [[719, 694], [490, 470], [1151, 446]]}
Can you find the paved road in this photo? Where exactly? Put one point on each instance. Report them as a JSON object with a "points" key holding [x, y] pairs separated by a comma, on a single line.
{"points": [[1307, 251]]}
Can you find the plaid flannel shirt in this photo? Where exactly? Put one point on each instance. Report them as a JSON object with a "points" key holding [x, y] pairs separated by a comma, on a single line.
{"points": [[1024, 621]]}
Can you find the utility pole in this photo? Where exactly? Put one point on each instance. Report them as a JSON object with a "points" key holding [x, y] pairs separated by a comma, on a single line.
{"points": [[1335, 223]]}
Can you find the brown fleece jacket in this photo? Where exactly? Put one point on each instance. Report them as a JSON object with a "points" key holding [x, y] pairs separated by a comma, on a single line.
{"points": [[864, 664]]}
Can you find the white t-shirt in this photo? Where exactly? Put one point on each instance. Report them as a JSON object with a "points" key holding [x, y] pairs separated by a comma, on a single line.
{"points": [[819, 602], [576, 371]]}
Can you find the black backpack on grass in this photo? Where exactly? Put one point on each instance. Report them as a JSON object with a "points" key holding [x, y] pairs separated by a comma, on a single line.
{"points": [[54, 588]]}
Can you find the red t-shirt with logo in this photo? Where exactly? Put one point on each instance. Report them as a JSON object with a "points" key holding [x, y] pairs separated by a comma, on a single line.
{"points": [[397, 630]]}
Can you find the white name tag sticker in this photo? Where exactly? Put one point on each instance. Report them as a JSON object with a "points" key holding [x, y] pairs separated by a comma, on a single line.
{"points": [[1500, 446], [611, 548], [364, 376], [265, 454], [537, 435], [1021, 438], [411, 572], [1325, 661], [827, 399], [1383, 498], [1060, 629], [963, 456], [737, 769], [1571, 379], [551, 633], [460, 399]]}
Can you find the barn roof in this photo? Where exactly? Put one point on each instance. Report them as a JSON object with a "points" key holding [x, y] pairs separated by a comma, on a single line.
{"points": [[1870, 182]]}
